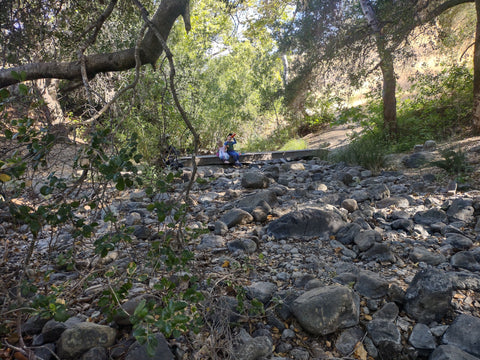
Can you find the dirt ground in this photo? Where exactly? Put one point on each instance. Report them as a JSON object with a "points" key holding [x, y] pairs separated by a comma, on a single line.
{"points": [[333, 137]]}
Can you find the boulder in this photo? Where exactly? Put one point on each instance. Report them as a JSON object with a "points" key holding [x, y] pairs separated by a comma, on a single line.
{"points": [[308, 222], [319, 315], [428, 298], [450, 352], [82, 337], [236, 217], [139, 352], [464, 334], [430, 217], [254, 180], [252, 348]]}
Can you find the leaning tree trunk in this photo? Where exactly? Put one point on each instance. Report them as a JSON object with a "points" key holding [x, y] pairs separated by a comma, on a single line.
{"points": [[388, 72], [476, 75], [150, 50], [48, 91]]}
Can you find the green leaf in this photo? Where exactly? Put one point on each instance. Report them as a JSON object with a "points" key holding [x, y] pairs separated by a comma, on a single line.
{"points": [[4, 94], [45, 190], [141, 310], [23, 89], [140, 333], [120, 184]]}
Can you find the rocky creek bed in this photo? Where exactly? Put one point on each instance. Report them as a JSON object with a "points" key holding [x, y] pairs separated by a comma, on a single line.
{"points": [[346, 265]]}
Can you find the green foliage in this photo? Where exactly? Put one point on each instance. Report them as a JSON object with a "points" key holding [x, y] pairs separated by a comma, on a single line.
{"points": [[281, 135], [294, 144], [367, 150], [321, 110], [440, 107], [108, 242], [227, 82], [454, 162], [109, 163], [65, 260], [50, 305]]}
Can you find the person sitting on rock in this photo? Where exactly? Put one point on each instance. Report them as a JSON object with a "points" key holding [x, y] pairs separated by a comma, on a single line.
{"points": [[230, 150], [222, 152]]}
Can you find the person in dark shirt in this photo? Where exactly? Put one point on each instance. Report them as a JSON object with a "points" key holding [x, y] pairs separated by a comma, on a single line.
{"points": [[230, 150]]}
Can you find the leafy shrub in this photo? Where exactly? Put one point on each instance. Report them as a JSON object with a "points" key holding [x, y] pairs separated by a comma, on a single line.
{"points": [[440, 107], [102, 164], [454, 162], [367, 150], [294, 144]]}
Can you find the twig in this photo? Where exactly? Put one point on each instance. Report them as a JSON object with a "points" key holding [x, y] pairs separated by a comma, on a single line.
{"points": [[18, 309], [468, 47], [126, 88], [91, 40], [28, 353], [48, 349]]}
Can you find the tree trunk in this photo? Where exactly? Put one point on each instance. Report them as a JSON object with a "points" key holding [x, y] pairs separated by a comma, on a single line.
{"points": [[285, 70], [388, 71], [476, 75], [164, 18], [389, 94], [48, 90]]}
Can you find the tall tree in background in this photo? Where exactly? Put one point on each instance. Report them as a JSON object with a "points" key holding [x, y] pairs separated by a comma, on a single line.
{"points": [[385, 53], [476, 74], [334, 35]]}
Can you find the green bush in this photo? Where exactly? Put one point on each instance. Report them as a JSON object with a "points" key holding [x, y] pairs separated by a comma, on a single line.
{"points": [[441, 106], [454, 162], [367, 150], [294, 144]]}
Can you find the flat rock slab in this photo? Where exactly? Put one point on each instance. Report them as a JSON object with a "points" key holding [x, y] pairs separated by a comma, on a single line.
{"points": [[306, 223], [205, 160]]}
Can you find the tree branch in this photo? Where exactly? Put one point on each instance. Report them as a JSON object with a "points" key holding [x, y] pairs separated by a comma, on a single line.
{"points": [[151, 49]]}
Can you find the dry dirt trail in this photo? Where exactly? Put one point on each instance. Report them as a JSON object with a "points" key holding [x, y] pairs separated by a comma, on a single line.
{"points": [[333, 137]]}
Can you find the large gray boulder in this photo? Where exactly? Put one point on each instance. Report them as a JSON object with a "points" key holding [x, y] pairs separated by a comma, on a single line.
{"points": [[449, 352], [236, 217], [430, 217], [82, 337], [252, 348], [254, 180], [422, 338], [323, 311], [396, 201], [461, 209], [253, 200], [307, 222], [428, 298], [465, 260], [386, 336], [262, 291], [365, 239], [371, 285], [421, 254], [464, 333], [458, 241]]}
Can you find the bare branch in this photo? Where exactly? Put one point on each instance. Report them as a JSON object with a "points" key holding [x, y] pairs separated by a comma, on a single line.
{"points": [[150, 50]]}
